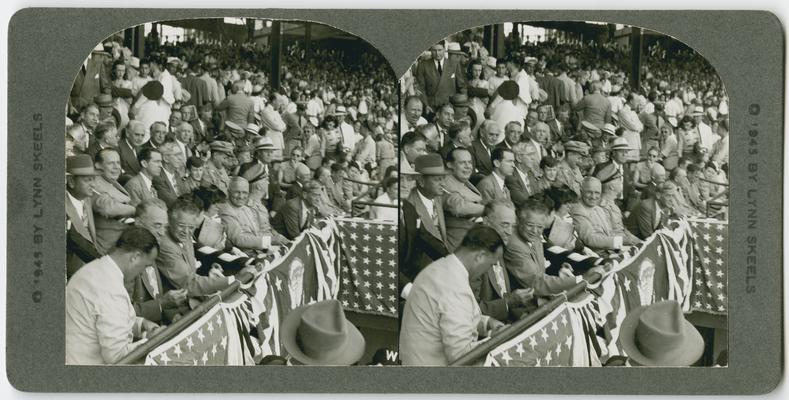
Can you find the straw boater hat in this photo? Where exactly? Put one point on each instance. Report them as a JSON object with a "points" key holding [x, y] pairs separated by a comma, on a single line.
{"points": [[221, 147], [608, 173], [454, 48], [103, 100], [80, 165], [620, 143], [252, 128], [459, 100], [264, 143], [430, 164], [319, 334], [233, 126], [590, 127], [659, 335], [609, 129], [577, 147]]}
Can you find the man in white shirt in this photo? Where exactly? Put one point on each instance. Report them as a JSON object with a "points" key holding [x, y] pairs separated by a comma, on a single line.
{"points": [[442, 320], [101, 324]]}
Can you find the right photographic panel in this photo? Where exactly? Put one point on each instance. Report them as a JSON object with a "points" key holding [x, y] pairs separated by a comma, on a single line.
{"points": [[565, 200]]}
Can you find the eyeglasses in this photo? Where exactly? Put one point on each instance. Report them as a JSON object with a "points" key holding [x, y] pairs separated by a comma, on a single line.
{"points": [[185, 226]]}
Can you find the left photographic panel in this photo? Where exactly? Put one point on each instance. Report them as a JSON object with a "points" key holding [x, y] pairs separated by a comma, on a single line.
{"points": [[231, 197]]}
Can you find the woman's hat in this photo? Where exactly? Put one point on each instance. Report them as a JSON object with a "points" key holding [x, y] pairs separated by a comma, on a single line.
{"points": [[509, 90], [659, 335], [319, 334], [153, 90]]}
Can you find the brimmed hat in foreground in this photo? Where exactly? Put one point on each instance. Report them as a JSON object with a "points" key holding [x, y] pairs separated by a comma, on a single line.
{"points": [[319, 334], [659, 335]]}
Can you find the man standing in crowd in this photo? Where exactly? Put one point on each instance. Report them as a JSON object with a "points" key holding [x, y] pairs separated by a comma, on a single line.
{"points": [[439, 78]]}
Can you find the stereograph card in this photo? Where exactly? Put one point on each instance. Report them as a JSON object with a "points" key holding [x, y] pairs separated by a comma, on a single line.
{"points": [[278, 200]]}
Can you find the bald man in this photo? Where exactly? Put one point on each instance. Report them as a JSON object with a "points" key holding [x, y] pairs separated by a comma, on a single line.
{"points": [[303, 175], [248, 228], [591, 221]]}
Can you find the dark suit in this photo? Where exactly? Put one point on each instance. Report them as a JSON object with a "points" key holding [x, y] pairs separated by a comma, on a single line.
{"points": [[80, 239], [444, 150], [91, 81], [205, 132], [526, 265], [518, 191], [129, 163], [420, 242], [288, 220], [646, 218], [490, 294], [480, 155], [145, 294], [437, 88], [558, 133], [165, 190]]}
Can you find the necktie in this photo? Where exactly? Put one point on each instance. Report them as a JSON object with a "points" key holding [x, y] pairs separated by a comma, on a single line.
{"points": [[440, 70], [85, 215], [499, 272], [435, 214]]}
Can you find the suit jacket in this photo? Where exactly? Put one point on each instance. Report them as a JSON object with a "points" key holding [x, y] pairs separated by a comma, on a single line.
{"points": [[139, 191], [205, 132], [80, 239], [444, 151], [92, 80], [558, 133], [288, 220], [178, 266], [145, 293], [489, 292], [113, 203], [482, 164], [435, 88], [462, 204], [518, 190], [129, 163], [593, 227], [421, 241], [646, 218], [165, 190], [526, 266], [198, 90], [247, 225], [491, 190], [441, 320]]}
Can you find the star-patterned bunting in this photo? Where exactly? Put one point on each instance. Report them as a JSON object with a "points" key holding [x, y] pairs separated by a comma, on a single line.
{"points": [[368, 272], [710, 261]]}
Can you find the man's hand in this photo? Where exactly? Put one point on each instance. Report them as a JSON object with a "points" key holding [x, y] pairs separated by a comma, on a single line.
{"points": [[566, 271], [495, 326], [519, 297], [594, 274], [247, 273], [173, 298], [216, 271], [148, 328]]}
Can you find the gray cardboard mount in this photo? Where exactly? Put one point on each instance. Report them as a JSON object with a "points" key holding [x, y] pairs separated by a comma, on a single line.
{"points": [[46, 47]]}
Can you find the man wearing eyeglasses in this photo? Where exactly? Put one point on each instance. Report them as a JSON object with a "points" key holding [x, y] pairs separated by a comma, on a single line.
{"points": [[176, 260]]}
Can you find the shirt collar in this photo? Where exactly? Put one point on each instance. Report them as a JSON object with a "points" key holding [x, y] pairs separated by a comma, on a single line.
{"points": [[427, 202], [78, 204], [146, 180], [499, 180]]}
